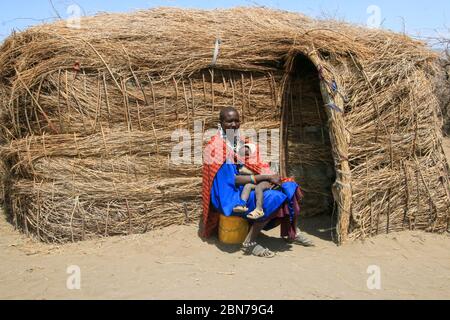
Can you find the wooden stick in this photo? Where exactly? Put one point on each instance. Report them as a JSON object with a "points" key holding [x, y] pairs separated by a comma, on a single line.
{"points": [[154, 97], [139, 115], [224, 81], [211, 71], [177, 94], [129, 218], [26, 113], [107, 219], [99, 101], [107, 100], [186, 100], [69, 108], [233, 90], [250, 93], [193, 98], [61, 124], [407, 195], [204, 87], [127, 107]]}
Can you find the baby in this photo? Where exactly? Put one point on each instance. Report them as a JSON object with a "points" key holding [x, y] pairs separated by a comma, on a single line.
{"points": [[245, 152]]}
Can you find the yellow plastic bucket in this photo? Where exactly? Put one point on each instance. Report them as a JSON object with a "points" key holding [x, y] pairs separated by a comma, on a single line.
{"points": [[233, 230]]}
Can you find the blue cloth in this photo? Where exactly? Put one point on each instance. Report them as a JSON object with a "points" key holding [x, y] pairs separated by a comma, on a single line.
{"points": [[225, 195]]}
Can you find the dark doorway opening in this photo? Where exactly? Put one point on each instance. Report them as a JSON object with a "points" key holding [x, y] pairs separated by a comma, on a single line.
{"points": [[307, 148]]}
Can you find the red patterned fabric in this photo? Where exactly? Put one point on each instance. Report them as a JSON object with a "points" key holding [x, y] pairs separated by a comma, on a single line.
{"points": [[215, 154]]}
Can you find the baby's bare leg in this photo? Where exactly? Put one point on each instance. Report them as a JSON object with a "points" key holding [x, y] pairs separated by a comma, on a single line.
{"points": [[259, 193], [248, 188]]}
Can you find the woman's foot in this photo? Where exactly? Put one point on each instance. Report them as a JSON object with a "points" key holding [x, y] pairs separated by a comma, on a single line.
{"points": [[240, 209], [256, 214], [255, 249], [302, 240]]}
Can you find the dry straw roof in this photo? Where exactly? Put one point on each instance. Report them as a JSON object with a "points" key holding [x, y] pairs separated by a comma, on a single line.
{"points": [[87, 116], [173, 42]]}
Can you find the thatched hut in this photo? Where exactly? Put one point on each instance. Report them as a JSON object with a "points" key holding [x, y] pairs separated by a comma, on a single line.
{"points": [[88, 114]]}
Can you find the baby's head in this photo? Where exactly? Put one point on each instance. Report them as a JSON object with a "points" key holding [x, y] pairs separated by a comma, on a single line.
{"points": [[247, 150]]}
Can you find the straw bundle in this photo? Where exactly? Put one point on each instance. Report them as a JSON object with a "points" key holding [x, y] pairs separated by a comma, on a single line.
{"points": [[88, 114], [443, 89]]}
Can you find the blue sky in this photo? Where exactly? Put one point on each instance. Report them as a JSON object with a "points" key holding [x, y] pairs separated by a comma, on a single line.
{"points": [[417, 18]]}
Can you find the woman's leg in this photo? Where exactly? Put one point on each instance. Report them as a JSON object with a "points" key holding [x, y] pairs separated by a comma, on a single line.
{"points": [[255, 231], [250, 244]]}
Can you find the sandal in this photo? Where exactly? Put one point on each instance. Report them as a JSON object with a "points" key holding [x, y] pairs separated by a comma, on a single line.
{"points": [[258, 251], [256, 214], [240, 209], [302, 240]]}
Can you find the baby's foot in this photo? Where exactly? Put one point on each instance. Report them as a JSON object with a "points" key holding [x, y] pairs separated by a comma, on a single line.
{"points": [[240, 209], [256, 214]]}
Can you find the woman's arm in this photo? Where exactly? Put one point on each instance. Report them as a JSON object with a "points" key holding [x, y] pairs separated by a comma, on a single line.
{"points": [[243, 180]]}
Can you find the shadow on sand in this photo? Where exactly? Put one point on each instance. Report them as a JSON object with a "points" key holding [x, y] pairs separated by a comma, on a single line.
{"points": [[321, 227]]}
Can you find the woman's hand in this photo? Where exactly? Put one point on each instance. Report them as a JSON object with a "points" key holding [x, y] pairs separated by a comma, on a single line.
{"points": [[275, 179]]}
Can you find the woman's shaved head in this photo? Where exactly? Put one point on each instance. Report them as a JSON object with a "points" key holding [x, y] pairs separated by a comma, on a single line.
{"points": [[229, 119], [225, 111]]}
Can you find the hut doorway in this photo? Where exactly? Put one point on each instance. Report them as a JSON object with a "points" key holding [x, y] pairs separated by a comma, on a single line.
{"points": [[307, 153]]}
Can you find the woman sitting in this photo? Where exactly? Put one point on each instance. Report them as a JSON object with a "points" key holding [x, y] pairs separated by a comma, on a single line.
{"points": [[223, 186]]}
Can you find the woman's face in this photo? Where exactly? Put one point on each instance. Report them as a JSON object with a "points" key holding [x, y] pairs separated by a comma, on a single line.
{"points": [[231, 121]]}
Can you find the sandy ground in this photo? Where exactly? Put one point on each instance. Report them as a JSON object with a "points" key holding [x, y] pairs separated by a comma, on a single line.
{"points": [[175, 264]]}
